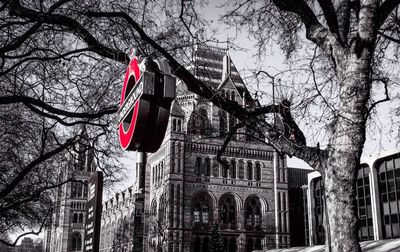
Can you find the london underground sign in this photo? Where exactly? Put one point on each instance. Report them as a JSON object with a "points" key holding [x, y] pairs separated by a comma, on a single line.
{"points": [[146, 97]]}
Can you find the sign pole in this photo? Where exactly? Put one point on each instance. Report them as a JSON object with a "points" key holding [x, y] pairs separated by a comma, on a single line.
{"points": [[139, 224], [141, 171]]}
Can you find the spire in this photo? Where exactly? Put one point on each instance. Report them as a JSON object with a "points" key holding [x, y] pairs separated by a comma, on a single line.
{"points": [[226, 67]]}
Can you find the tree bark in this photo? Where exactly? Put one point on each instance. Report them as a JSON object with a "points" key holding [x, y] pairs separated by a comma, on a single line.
{"points": [[347, 142]]}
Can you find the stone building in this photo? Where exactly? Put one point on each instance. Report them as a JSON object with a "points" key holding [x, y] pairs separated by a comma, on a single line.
{"points": [[66, 231], [188, 190]]}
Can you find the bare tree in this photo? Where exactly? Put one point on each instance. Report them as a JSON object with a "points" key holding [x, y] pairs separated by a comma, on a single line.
{"points": [[352, 37]]}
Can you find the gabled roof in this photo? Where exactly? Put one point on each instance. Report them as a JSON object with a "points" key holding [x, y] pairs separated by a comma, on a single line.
{"points": [[209, 67], [176, 110]]}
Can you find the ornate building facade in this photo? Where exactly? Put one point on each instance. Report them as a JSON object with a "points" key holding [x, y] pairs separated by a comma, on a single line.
{"points": [[188, 190]]}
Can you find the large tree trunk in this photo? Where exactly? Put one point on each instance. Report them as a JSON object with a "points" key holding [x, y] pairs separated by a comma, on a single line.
{"points": [[347, 142]]}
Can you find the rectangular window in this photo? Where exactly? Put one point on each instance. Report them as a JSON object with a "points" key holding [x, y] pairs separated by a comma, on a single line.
{"points": [[397, 162], [389, 165]]}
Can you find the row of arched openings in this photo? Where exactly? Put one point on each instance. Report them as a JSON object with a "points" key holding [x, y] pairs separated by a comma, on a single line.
{"points": [[117, 234], [202, 210], [77, 218], [203, 167]]}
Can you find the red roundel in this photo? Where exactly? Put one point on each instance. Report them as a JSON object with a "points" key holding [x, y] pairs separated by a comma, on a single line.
{"points": [[144, 107], [129, 125]]}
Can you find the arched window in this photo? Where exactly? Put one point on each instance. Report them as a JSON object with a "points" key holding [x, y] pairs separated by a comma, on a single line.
{"points": [[75, 218], [233, 95], [232, 168], [252, 214], [201, 209], [80, 219], [258, 171], [206, 167], [227, 214], [76, 242], [162, 211], [197, 166], [223, 129], [241, 169], [215, 168], [249, 170], [225, 169], [199, 123], [204, 123]]}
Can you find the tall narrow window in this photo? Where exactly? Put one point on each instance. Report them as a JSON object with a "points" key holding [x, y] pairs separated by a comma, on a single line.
{"points": [[79, 189], [225, 169], [179, 126], [174, 124], [206, 167], [204, 126], [85, 189], [73, 190], [258, 171], [233, 169], [197, 166], [241, 169], [249, 170]]}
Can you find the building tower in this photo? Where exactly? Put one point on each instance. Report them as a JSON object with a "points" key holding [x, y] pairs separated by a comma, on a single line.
{"points": [[190, 191], [66, 231]]}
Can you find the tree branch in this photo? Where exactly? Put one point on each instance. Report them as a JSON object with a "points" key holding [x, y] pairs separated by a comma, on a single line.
{"points": [[330, 15], [25, 171], [74, 26], [395, 40], [387, 98], [227, 141], [315, 31], [33, 101], [385, 9]]}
